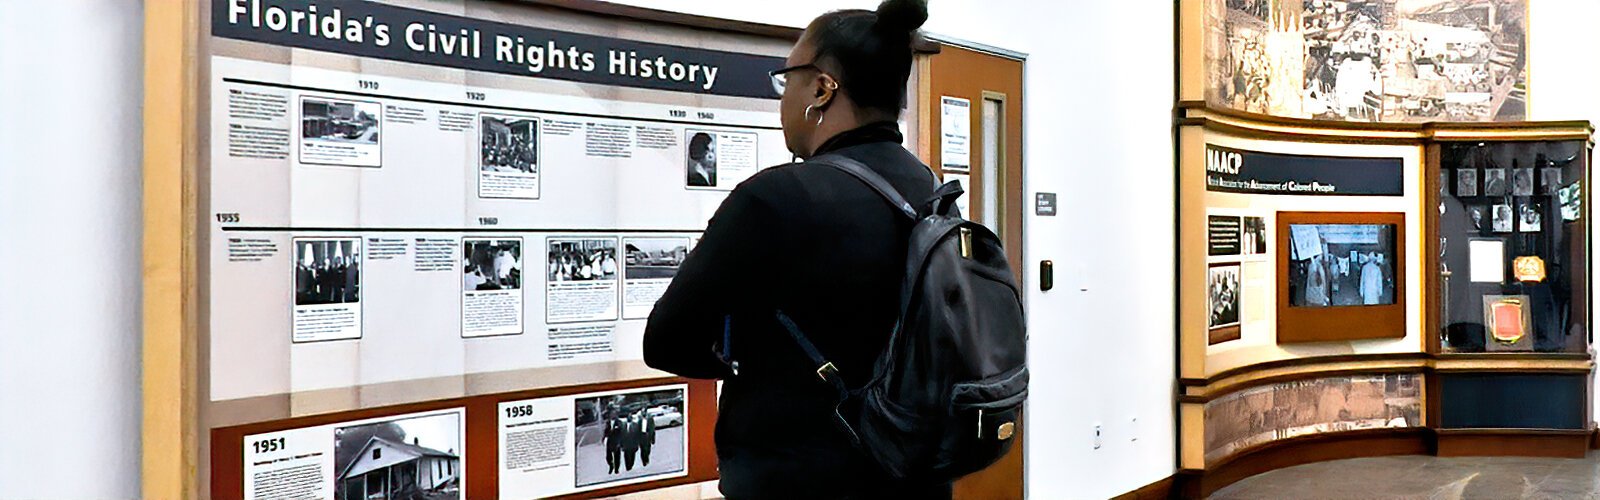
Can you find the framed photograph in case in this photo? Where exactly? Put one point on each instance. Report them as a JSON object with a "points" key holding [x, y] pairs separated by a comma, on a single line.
{"points": [[1507, 323]]}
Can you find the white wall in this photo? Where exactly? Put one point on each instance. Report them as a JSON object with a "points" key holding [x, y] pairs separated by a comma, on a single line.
{"points": [[1562, 73], [70, 94], [1098, 107]]}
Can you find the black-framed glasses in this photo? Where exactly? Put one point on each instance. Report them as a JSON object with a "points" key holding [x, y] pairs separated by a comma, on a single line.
{"points": [[780, 80]]}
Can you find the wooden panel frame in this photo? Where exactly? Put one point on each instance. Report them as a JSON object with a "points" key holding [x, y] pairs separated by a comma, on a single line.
{"points": [[170, 454], [1340, 323]]}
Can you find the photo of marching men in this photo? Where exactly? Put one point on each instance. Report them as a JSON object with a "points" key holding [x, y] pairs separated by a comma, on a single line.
{"points": [[491, 287], [340, 132], [582, 280], [327, 289], [508, 157], [651, 264], [1334, 265], [630, 436], [415, 458]]}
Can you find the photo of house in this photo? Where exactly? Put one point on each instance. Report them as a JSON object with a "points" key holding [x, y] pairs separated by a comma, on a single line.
{"points": [[388, 466]]}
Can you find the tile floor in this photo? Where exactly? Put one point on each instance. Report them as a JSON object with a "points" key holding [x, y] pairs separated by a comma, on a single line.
{"points": [[1426, 478]]}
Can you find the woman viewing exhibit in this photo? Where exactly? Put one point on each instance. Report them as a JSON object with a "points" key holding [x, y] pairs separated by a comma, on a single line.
{"points": [[812, 241]]}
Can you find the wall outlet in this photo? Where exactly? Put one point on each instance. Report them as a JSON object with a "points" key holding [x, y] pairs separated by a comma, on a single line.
{"points": [[1097, 435], [1133, 429]]}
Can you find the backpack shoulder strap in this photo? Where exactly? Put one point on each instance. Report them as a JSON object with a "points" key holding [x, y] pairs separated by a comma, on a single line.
{"points": [[870, 178]]}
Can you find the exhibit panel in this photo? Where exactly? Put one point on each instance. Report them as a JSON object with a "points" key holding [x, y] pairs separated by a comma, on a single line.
{"points": [[1361, 200], [1299, 237], [426, 237], [1318, 266]]}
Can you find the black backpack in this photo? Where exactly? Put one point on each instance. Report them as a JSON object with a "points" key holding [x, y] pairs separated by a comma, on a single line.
{"points": [[946, 393]]}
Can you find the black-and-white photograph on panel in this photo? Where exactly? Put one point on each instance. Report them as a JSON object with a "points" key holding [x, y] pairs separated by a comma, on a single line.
{"points": [[700, 167], [650, 264], [340, 132], [1369, 61], [583, 259], [416, 458], [582, 279], [508, 156], [327, 289], [629, 436], [1530, 218], [718, 160], [1254, 241], [1495, 183], [1334, 265], [1467, 182], [1222, 288], [1504, 219], [491, 286], [1522, 182]]}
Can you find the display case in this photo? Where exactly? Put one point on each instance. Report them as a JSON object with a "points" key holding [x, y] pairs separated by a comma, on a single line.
{"points": [[1512, 273]]}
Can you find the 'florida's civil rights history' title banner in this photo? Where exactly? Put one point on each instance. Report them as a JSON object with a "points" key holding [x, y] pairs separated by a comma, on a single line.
{"points": [[375, 30]]}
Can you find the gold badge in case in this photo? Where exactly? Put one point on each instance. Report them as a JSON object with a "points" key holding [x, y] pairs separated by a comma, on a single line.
{"points": [[1528, 268]]}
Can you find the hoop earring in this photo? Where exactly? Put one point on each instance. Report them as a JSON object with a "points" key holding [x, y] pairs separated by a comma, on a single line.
{"points": [[808, 116]]}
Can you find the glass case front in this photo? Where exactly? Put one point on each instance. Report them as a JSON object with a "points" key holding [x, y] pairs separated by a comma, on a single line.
{"points": [[1513, 253]]}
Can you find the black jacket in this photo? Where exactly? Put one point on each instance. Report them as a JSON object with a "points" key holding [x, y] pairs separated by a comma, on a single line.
{"points": [[821, 246]]}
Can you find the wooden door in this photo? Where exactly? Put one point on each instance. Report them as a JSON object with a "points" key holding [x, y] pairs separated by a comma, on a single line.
{"points": [[989, 82]]}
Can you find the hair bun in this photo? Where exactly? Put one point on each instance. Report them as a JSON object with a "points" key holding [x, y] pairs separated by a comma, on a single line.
{"points": [[901, 16]]}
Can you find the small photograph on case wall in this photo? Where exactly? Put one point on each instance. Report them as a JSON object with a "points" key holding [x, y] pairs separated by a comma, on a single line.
{"points": [[1478, 215], [1494, 182], [1529, 218], [1522, 182], [1467, 182], [1550, 180], [1503, 218], [1222, 294]]}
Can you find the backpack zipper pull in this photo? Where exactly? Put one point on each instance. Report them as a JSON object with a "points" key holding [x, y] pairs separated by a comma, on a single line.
{"points": [[966, 243]]}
